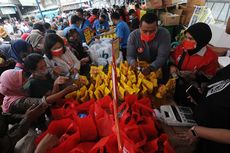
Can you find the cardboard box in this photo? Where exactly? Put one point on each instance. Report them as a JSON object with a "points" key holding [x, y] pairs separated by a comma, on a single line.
{"points": [[172, 2], [191, 3], [169, 19], [186, 14], [154, 4]]}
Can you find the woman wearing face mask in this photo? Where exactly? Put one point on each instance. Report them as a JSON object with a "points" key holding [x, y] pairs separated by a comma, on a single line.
{"points": [[59, 59], [193, 54], [193, 60], [75, 45], [18, 51], [16, 99]]}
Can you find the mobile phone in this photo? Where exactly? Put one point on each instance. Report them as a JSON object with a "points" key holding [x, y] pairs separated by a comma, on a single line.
{"points": [[194, 93]]}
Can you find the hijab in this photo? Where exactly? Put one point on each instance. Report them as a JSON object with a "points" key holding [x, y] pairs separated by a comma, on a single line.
{"points": [[11, 83], [202, 34], [34, 39], [18, 48]]}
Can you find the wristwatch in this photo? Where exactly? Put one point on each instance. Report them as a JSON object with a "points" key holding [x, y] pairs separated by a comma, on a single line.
{"points": [[193, 130]]}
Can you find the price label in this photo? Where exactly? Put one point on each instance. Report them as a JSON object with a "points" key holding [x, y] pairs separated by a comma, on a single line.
{"points": [[116, 48], [88, 35]]}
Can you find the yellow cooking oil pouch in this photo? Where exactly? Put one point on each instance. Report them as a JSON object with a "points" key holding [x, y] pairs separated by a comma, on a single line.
{"points": [[148, 85], [85, 97], [83, 80], [106, 91], [97, 94], [71, 95]]}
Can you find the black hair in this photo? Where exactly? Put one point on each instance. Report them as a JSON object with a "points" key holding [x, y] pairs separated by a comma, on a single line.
{"points": [[103, 16], [50, 40], [51, 31], [31, 61], [115, 15], [60, 20], [75, 19], [47, 25], [95, 11], [80, 10], [104, 10], [149, 18], [131, 11], [39, 26], [137, 6]]}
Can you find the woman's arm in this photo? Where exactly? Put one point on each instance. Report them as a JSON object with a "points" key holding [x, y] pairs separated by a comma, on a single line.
{"points": [[54, 97], [213, 134]]}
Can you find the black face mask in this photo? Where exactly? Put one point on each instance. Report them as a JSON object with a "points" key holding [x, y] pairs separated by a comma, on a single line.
{"points": [[101, 22]]}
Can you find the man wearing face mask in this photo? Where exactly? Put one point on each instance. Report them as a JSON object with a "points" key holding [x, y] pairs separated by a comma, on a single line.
{"points": [[150, 43], [75, 23], [101, 25], [85, 23], [122, 32], [134, 21]]}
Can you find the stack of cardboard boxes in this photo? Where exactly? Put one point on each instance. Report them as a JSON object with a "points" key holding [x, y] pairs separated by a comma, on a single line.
{"points": [[188, 10], [181, 15]]}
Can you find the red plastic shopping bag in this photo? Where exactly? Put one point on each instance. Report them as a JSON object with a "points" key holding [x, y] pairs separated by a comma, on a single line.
{"points": [[65, 110], [107, 144], [147, 124], [160, 144], [60, 127], [104, 117], [87, 128], [67, 145], [83, 147]]}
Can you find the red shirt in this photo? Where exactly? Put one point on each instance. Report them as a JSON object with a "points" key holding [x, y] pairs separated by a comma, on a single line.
{"points": [[205, 61], [138, 12], [92, 18]]}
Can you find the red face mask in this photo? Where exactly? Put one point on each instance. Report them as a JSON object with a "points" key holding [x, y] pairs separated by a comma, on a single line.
{"points": [[148, 38], [188, 45], [57, 52]]}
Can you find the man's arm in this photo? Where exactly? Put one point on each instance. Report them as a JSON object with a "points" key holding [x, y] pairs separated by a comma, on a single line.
{"points": [[163, 51], [131, 49]]}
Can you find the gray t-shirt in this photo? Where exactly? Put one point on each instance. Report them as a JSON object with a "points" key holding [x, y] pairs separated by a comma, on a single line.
{"points": [[155, 52]]}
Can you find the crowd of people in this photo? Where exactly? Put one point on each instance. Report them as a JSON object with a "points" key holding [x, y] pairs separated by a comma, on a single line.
{"points": [[37, 70]]}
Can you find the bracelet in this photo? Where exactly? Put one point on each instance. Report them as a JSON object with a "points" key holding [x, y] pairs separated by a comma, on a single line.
{"points": [[193, 130]]}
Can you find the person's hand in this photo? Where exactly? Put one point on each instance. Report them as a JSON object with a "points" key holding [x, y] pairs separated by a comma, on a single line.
{"points": [[57, 70], [188, 137], [134, 66], [192, 100], [61, 80], [71, 88], [147, 71], [173, 69], [35, 111], [84, 60]]}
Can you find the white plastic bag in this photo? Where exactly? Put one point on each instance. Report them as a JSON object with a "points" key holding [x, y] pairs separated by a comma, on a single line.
{"points": [[101, 52]]}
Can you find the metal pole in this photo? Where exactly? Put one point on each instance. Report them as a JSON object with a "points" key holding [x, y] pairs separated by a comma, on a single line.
{"points": [[40, 11], [115, 96]]}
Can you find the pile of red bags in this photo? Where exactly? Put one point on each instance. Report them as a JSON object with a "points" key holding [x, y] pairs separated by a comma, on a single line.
{"points": [[89, 127]]}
